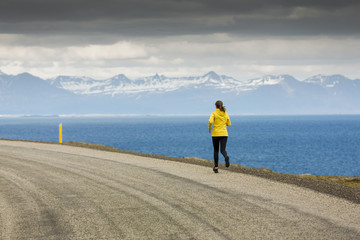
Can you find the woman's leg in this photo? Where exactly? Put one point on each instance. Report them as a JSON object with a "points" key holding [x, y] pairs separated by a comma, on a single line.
{"points": [[215, 141], [223, 141]]}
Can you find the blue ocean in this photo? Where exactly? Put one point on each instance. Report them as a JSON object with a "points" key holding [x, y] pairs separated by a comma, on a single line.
{"points": [[320, 145]]}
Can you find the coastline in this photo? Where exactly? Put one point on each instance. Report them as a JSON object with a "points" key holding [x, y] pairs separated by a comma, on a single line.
{"points": [[343, 187]]}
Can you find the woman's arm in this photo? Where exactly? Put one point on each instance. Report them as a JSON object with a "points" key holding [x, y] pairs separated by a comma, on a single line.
{"points": [[228, 122], [211, 121]]}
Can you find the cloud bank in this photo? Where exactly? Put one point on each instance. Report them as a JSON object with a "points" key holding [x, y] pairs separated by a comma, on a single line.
{"points": [[141, 37]]}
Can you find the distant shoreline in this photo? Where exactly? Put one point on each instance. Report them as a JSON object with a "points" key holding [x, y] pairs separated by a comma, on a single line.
{"points": [[158, 115], [339, 186]]}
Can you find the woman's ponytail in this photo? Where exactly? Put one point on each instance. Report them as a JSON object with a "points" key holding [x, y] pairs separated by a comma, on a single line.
{"points": [[219, 105]]}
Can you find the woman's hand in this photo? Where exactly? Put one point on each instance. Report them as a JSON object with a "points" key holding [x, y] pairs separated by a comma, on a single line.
{"points": [[209, 130]]}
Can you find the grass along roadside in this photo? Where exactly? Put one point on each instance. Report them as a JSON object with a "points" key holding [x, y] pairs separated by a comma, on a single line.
{"points": [[347, 181]]}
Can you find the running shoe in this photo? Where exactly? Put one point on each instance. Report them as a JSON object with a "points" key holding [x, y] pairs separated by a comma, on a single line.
{"points": [[227, 163]]}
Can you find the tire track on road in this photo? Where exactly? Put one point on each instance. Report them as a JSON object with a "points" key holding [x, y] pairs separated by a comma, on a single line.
{"points": [[27, 215], [155, 202]]}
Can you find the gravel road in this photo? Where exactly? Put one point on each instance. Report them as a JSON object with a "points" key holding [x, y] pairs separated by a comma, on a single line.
{"points": [[52, 191]]}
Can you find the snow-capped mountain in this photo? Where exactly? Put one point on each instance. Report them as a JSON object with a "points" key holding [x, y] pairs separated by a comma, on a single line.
{"points": [[120, 84], [158, 94]]}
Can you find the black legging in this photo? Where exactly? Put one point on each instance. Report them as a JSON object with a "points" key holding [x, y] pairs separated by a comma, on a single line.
{"points": [[216, 141]]}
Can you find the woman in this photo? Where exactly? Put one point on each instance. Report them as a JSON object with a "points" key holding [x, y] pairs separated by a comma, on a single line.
{"points": [[220, 119]]}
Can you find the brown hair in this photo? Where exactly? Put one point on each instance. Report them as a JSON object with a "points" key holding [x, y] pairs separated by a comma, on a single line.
{"points": [[219, 105]]}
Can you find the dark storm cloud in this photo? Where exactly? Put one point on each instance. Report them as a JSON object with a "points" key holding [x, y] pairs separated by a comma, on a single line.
{"points": [[173, 17]]}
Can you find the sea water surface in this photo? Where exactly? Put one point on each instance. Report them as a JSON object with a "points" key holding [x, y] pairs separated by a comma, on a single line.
{"points": [[320, 145]]}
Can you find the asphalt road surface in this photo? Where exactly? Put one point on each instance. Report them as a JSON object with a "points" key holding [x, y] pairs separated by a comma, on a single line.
{"points": [[51, 191]]}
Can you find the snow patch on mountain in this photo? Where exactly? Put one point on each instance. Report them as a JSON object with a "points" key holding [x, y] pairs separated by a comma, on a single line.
{"points": [[267, 80], [327, 81], [77, 85]]}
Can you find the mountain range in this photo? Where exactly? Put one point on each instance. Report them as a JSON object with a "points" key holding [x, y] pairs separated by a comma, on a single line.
{"points": [[158, 94]]}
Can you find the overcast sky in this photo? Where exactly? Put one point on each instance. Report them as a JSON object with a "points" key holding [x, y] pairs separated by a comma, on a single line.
{"points": [[242, 39]]}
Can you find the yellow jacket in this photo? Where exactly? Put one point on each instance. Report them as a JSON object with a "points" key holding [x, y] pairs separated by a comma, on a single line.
{"points": [[220, 120]]}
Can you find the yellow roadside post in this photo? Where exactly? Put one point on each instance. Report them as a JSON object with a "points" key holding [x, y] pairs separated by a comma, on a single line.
{"points": [[60, 133]]}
